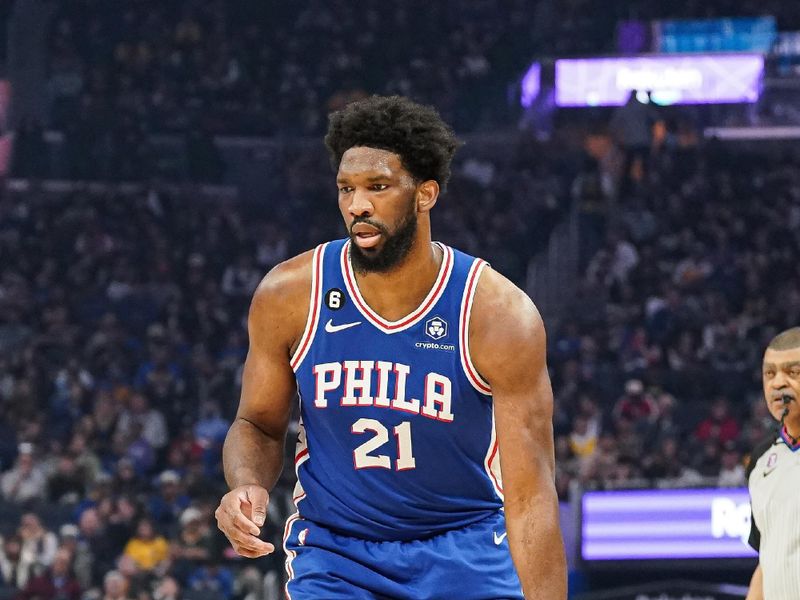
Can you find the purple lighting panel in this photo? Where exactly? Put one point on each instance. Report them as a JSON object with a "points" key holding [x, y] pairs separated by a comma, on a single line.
{"points": [[531, 85], [665, 524], [686, 79]]}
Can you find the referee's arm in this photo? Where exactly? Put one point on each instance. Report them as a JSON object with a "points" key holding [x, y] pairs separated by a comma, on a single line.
{"points": [[756, 591]]}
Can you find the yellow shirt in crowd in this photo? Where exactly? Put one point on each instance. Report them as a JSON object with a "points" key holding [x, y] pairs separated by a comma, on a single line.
{"points": [[147, 553]]}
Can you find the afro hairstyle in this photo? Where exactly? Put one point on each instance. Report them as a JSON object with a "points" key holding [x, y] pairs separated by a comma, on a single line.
{"points": [[416, 133]]}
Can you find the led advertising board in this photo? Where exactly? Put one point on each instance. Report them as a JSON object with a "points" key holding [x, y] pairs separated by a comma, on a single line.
{"points": [[673, 79], [738, 34], [665, 524]]}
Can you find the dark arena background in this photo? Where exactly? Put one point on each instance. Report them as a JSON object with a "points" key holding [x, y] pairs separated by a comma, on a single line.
{"points": [[633, 167]]}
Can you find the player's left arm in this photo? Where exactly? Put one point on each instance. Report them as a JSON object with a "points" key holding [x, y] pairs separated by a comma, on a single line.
{"points": [[507, 345]]}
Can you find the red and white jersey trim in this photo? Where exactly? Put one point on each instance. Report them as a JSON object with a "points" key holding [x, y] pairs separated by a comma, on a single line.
{"points": [[301, 448], [313, 308], [301, 456], [492, 462], [414, 317], [478, 382], [290, 554]]}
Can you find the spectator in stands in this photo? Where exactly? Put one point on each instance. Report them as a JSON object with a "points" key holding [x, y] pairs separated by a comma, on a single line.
{"points": [[137, 450], [68, 535], [668, 424], [15, 570], [86, 460], [148, 550], [115, 586], [213, 579], [38, 544], [127, 480], [251, 584], [139, 580], [732, 471], [25, 483], [56, 583], [98, 493], [583, 437], [635, 406], [241, 278], [105, 415], [623, 256], [719, 426], [708, 461], [121, 524], [95, 551], [210, 432], [632, 128], [192, 544], [70, 539], [166, 506], [167, 588], [65, 485], [151, 420]]}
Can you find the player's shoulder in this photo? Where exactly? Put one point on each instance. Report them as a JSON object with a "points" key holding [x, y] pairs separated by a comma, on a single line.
{"points": [[285, 290], [504, 322], [498, 301]]}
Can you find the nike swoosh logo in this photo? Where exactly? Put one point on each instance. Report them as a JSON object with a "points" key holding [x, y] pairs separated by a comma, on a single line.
{"points": [[331, 328], [498, 539]]}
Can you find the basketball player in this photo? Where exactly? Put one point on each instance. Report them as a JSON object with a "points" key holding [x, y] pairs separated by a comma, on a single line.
{"points": [[773, 477], [425, 455]]}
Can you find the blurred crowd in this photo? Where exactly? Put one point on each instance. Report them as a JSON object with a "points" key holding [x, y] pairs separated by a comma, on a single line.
{"points": [[269, 67], [657, 363]]}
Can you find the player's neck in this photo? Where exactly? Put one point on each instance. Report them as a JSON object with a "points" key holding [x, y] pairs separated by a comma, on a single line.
{"points": [[397, 292]]}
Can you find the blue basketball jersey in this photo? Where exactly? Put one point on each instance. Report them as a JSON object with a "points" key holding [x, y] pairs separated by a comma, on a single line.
{"points": [[397, 438]]}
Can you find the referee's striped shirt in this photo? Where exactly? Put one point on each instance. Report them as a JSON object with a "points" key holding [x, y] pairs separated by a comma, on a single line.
{"points": [[774, 482]]}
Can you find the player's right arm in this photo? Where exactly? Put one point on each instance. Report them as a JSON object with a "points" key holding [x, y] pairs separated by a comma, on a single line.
{"points": [[756, 591], [253, 452]]}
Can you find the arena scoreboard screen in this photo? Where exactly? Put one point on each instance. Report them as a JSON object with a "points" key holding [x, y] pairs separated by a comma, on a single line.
{"points": [[672, 79], [665, 525]]}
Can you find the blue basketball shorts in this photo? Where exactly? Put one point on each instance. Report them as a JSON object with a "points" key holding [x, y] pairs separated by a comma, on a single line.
{"points": [[471, 563]]}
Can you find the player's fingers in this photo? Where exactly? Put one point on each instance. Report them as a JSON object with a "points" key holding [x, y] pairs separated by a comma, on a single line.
{"points": [[242, 523], [258, 498], [229, 522], [243, 540], [247, 553]]}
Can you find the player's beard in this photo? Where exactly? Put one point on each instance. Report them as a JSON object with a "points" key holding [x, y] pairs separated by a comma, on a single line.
{"points": [[396, 246]]}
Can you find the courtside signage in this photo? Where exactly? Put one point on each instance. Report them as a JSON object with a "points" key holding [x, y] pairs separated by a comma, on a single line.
{"points": [[674, 79], [665, 524]]}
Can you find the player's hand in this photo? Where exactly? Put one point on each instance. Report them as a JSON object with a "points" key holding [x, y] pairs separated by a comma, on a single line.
{"points": [[240, 515]]}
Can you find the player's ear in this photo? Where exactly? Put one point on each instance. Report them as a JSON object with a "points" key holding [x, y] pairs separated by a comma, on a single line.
{"points": [[427, 194]]}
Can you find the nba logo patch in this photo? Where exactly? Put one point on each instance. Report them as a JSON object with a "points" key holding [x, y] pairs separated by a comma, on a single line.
{"points": [[436, 328], [772, 461]]}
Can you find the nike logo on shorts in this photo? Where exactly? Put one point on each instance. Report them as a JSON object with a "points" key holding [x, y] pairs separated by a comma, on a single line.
{"points": [[498, 539], [331, 328]]}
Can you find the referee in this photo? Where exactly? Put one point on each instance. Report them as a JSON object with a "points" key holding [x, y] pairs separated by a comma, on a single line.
{"points": [[774, 478]]}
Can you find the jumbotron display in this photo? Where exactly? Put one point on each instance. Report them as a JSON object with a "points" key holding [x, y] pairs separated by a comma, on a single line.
{"points": [[665, 524], [684, 79]]}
